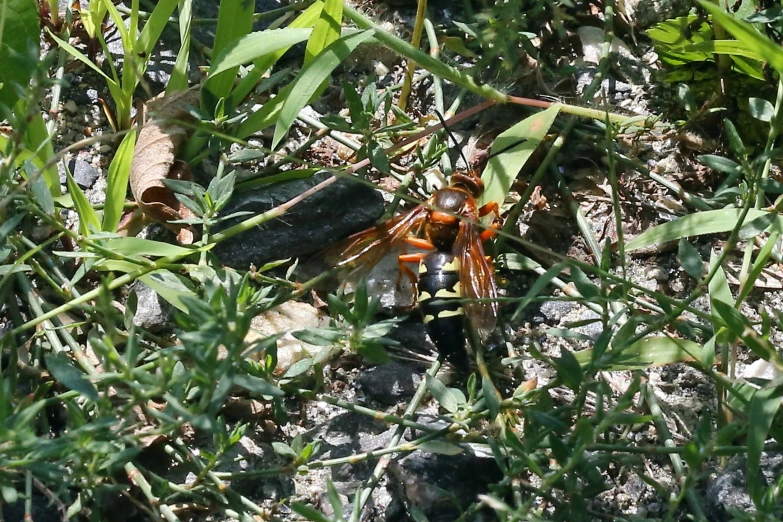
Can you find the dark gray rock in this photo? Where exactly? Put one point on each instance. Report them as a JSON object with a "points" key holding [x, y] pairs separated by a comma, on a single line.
{"points": [[390, 383], [441, 485], [554, 311], [729, 491], [83, 173], [42, 510], [153, 313], [342, 208]]}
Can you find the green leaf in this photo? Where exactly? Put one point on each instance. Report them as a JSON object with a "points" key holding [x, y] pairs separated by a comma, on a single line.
{"points": [[88, 219], [491, 397], [308, 512], [306, 19], [758, 265], [700, 223], [69, 376], [257, 385], [39, 189], [585, 287], [255, 45], [757, 226], [235, 20], [568, 370], [442, 394], [761, 109], [311, 77], [169, 286], [179, 76], [763, 407], [81, 57], [326, 30], [19, 32], [152, 30], [747, 34], [320, 336], [38, 140], [646, 353], [117, 183], [284, 450], [523, 138], [690, 259], [719, 286], [719, 163], [136, 246]]}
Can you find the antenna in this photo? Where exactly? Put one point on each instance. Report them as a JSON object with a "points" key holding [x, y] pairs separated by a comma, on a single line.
{"points": [[456, 144]]}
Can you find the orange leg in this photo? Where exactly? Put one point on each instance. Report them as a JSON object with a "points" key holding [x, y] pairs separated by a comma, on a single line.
{"points": [[418, 243], [405, 270], [489, 208], [489, 233]]}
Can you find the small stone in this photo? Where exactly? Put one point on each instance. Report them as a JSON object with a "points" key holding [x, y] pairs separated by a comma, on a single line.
{"points": [[71, 107], [152, 311], [390, 383], [83, 173], [105, 148], [381, 70]]}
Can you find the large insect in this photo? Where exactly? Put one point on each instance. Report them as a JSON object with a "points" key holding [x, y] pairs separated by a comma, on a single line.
{"points": [[455, 278]]}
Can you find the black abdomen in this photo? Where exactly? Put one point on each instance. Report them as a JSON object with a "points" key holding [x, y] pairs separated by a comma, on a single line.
{"points": [[439, 301]]}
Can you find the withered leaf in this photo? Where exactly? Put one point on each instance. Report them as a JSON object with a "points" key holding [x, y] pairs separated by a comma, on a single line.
{"points": [[154, 159]]}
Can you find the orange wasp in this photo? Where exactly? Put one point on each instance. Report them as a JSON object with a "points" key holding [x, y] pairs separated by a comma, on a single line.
{"points": [[455, 278]]}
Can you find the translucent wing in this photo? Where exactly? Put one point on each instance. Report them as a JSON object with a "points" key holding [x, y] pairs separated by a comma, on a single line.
{"points": [[364, 249], [476, 279]]}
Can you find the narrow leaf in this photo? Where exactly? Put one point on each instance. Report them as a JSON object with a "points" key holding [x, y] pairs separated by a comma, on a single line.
{"points": [[117, 183], [69, 376], [326, 29], [763, 407], [700, 223], [522, 138], [311, 77], [255, 45], [88, 219], [690, 259]]}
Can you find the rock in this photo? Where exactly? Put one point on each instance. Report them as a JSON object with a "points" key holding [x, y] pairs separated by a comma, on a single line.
{"points": [[71, 107], [434, 482], [730, 489], [153, 313], [287, 317], [646, 13], [42, 509], [390, 383], [83, 173], [344, 207], [554, 311], [592, 44]]}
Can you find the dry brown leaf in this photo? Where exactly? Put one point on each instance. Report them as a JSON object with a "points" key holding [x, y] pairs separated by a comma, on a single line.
{"points": [[154, 159]]}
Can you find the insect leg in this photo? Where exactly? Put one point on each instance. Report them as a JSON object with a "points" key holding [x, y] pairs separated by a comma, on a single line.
{"points": [[405, 270]]}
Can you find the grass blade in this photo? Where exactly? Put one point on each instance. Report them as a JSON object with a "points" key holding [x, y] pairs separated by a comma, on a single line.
{"points": [[154, 27], [261, 65], [707, 222], [326, 30], [747, 34], [88, 219], [502, 170], [117, 183], [37, 139], [763, 406], [306, 84], [179, 76], [235, 20], [255, 45], [646, 353]]}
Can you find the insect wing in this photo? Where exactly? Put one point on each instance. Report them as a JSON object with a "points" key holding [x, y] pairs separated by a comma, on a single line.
{"points": [[476, 278], [363, 250]]}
